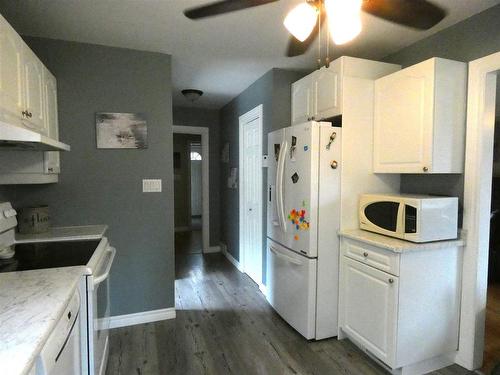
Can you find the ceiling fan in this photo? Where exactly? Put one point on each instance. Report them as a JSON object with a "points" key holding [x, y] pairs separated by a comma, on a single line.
{"points": [[343, 17]]}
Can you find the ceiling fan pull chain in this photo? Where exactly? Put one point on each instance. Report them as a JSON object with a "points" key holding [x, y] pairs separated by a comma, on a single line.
{"points": [[319, 33], [327, 60]]}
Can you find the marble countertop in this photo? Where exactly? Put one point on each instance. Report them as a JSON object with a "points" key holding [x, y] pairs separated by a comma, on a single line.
{"points": [[73, 233], [396, 245], [31, 303]]}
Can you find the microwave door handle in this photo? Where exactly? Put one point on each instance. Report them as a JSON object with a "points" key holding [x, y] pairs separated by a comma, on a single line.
{"points": [[99, 279], [401, 216]]}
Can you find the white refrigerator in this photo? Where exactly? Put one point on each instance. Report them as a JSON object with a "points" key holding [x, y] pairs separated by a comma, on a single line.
{"points": [[303, 220]]}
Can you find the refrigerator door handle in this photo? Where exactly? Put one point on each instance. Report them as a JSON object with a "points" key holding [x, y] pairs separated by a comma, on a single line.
{"points": [[283, 256], [279, 186]]}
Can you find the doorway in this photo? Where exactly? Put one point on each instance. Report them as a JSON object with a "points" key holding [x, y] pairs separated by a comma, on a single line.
{"points": [[250, 193], [479, 189], [191, 189], [491, 358]]}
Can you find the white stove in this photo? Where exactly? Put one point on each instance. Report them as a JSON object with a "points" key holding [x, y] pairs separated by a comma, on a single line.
{"points": [[68, 247]]}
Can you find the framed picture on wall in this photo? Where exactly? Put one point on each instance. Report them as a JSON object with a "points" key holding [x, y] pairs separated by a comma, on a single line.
{"points": [[121, 130]]}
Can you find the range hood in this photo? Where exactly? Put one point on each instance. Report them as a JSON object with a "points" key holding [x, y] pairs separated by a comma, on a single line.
{"points": [[17, 138]]}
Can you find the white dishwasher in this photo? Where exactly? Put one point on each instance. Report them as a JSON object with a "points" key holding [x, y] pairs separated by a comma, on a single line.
{"points": [[62, 354]]}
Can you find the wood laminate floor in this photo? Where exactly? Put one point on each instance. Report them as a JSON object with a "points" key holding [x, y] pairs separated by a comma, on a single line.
{"points": [[224, 325], [492, 329]]}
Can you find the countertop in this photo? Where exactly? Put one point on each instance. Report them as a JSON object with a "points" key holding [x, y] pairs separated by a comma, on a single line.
{"points": [[31, 303], [396, 245], [73, 233]]}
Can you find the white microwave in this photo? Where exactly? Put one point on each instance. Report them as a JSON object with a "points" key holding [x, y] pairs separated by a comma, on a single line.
{"points": [[416, 218]]}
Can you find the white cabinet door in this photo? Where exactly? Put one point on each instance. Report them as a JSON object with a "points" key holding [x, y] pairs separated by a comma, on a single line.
{"points": [[302, 108], [326, 88], [51, 158], [11, 87], [403, 121], [369, 303], [34, 87]]}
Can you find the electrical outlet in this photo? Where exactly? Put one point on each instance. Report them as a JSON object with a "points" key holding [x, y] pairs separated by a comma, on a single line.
{"points": [[151, 186]]}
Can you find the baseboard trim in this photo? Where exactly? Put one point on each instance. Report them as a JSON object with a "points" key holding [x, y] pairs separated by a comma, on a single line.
{"points": [[263, 289], [142, 317], [212, 249], [229, 257]]}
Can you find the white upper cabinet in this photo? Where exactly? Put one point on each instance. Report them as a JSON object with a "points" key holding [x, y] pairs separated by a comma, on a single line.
{"points": [[326, 89], [11, 74], [420, 119], [318, 96], [28, 99], [52, 158], [302, 100], [34, 115]]}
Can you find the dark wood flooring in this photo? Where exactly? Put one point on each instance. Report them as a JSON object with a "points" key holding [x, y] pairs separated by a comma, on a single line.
{"points": [[224, 325], [492, 329]]}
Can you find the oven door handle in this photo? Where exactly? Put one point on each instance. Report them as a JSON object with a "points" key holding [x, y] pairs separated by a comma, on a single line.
{"points": [[105, 274]]}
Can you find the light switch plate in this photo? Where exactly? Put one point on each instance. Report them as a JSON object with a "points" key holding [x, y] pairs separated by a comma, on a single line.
{"points": [[151, 186]]}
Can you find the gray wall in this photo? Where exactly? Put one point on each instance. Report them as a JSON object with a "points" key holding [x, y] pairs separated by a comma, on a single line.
{"points": [[104, 186], [272, 90], [473, 38], [207, 118]]}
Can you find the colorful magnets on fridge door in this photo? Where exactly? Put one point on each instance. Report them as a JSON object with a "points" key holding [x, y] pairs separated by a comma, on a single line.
{"points": [[295, 178], [306, 147], [297, 218], [296, 237]]}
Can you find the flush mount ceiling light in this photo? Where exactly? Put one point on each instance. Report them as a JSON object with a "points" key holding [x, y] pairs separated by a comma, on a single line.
{"points": [[343, 17], [192, 94]]}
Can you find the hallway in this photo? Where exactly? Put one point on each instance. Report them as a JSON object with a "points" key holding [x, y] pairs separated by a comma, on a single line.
{"points": [[224, 325]]}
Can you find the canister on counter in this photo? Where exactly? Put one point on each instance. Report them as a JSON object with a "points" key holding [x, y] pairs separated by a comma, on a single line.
{"points": [[32, 220]]}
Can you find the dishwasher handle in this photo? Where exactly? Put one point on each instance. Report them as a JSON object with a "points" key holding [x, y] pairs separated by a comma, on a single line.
{"points": [[99, 279]]}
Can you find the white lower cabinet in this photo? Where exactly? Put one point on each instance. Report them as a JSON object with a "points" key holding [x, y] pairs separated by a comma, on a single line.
{"points": [[406, 317], [370, 301]]}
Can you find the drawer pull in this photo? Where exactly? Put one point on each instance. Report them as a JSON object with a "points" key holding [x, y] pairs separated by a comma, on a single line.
{"points": [[391, 281], [365, 254]]}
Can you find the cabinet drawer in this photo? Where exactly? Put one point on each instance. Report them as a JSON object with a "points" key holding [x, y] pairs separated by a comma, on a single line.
{"points": [[381, 259]]}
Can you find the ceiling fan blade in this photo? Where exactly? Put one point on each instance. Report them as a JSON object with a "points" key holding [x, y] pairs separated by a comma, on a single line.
{"points": [[223, 6], [419, 14], [296, 47]]}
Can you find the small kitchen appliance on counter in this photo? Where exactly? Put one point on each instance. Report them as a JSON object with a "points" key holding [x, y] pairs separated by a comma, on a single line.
{"points": [[77, 247], [415, 218]]}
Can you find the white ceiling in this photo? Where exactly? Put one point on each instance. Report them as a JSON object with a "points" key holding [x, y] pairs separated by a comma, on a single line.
{"points": [[221, 55]]}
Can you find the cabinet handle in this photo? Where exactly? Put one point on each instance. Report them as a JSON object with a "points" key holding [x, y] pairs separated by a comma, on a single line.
{"points": [[391, 281], [25, 113], [30, 114], [425, 169], [365, 254], [334, 164]]}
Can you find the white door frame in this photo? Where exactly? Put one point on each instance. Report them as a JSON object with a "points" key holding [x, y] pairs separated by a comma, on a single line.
{"points": [[257, 112], [205, 195], [477, 201]]}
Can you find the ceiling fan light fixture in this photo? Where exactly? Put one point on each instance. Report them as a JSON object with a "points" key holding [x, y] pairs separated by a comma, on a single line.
{"points": [[192, 94], [344, 19], [300, 21]]}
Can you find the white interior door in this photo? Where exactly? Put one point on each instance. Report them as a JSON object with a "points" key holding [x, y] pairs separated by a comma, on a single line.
{"points": [[251, 194]]}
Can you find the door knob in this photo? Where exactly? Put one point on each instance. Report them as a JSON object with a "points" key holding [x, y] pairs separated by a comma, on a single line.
{"points": [[334, 164], [365, 254]]}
